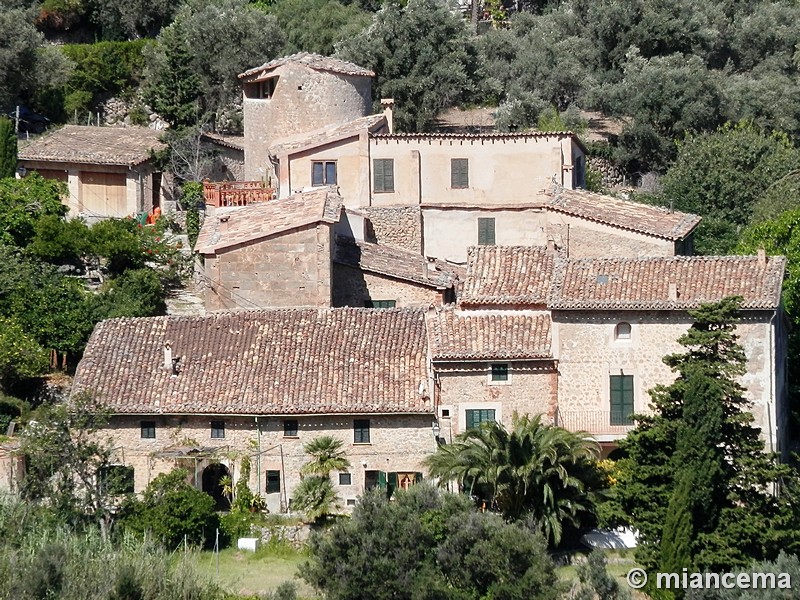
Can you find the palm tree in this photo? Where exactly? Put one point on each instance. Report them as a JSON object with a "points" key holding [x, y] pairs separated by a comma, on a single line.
{"points": [[316, 495], [536, 470], [326, 455]]}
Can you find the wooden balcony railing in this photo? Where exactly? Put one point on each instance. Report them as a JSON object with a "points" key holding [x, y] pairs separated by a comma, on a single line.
{"points": [[595, 422], [236, 193]]}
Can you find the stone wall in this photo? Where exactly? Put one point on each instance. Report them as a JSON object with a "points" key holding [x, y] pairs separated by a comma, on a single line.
{"points": [[292, 269], [589, 353], [531, 389], [398, 443], [398, 226], [352, 287]]}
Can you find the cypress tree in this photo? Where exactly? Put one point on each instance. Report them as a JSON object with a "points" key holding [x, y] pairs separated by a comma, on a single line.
{"points": [[698, 484], [8, 148]]}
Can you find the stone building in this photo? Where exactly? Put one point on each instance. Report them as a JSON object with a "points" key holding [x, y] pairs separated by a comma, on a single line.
{"points": [[270, 254], [298, 94], [108, 170], [202, 392]]}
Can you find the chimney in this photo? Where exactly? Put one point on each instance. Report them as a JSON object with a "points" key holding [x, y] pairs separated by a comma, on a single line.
{"points": [[168, 356], [388, 105], [428, 265], [762, 257], [673, 291]]}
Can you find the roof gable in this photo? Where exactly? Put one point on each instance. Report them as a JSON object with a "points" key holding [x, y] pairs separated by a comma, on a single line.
{"points": [[232, 226]]}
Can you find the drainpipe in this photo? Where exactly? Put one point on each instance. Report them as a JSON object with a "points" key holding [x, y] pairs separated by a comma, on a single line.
{"points": [[258, 459]]}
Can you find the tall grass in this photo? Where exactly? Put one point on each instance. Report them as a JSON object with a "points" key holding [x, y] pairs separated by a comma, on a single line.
{"points": [[40, 561]]}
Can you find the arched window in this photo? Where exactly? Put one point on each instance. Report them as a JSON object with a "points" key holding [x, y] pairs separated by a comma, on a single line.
{"points": [[622, 331]]}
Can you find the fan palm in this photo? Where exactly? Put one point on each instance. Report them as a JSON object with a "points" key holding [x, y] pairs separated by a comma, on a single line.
{"points": [[535, 469], [326, 455]]}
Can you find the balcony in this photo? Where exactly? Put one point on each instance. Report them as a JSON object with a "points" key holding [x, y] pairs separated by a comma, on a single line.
{"points": [[236, 193], [601, 424]]}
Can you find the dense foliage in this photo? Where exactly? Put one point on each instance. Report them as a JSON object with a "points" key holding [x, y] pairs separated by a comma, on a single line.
{"points": [[697, 483], [8, 148], [535, 471], [428, 544]]}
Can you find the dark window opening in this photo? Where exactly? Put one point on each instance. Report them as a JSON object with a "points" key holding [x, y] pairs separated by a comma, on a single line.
{"points": [[345, 479], [148, 430], [290, 428], [273, 482], [380, 303], [323, 173], [500, 372], [217, 430], [361, 431]]}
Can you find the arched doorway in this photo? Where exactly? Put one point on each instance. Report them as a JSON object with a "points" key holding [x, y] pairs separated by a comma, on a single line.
{"points": [[617, 454], [212, 475]]}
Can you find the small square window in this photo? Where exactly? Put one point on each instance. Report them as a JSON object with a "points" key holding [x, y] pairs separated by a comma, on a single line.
{"points": [[217, 430], [351, 502], [445, 413], [345, 479], [273, 482], [148, 430], [500, 372], [361, 431], [290, 428]]}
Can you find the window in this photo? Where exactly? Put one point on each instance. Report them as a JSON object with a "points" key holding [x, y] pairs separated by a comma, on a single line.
{"points": [[217, 430], [383, 175], [486, 232], [459, 173], [622, 331], [379, 303], [261, 90], [345, 479], [290, 428], [116, 480], [476, 417], [351, 502], [500, 372], [273, 482], [621, 399], [445, 413], [580, 172], [148, 430], [373, 479], [323, 173], [361, 431]]}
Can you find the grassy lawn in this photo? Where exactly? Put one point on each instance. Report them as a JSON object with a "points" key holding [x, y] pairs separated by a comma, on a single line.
{"points": [[254, 573]]}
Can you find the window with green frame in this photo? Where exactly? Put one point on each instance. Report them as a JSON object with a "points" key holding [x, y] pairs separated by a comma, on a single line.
{"points": [[500, 372], [383, 175], [273, 482], [486, 231], [477, 416], [621, 399], [380, 303]]}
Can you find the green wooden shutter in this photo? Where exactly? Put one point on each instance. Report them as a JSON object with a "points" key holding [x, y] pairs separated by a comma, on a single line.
{"points": [[391, 483], [459, 173], [621, 399], [377, 175], [382, 480], [417, 477], [486, 231], [383, 174]]}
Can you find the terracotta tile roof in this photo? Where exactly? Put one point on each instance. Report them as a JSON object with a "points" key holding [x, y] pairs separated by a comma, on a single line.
{"points": [[502, 275], [393, 262], [442, 135], [634, 216], [482, 335], [313, 61], [644, 284], [234, 142], [232, 226], [327, 135], [127, 146], [291, 361]]}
